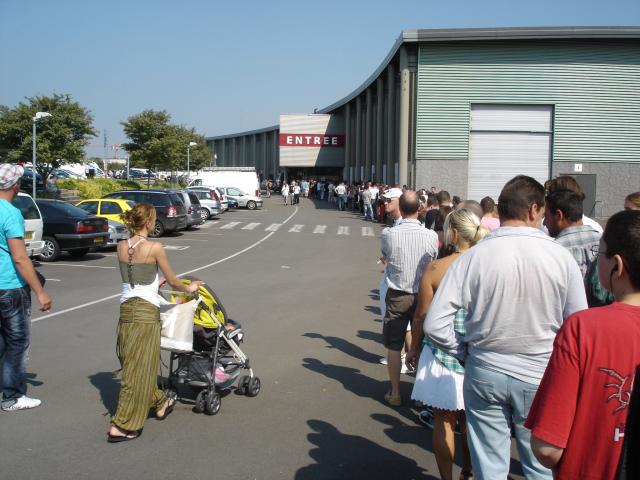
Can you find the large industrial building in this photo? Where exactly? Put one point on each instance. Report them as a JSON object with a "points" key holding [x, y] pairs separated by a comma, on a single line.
{"points": [[467, 109]]}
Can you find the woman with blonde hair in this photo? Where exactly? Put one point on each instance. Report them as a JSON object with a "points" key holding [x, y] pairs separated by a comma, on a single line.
{"points": [[439, 376], [139, 325]]}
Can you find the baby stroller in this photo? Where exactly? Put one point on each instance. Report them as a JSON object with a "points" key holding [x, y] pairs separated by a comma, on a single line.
{"points": [[213, 362]]}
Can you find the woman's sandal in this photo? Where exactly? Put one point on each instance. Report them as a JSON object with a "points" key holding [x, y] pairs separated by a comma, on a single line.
{"points": [[169, 408], [123, 438]]}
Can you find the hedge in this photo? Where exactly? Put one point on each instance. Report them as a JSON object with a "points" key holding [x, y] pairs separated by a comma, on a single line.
{"points": [[97, 187]]}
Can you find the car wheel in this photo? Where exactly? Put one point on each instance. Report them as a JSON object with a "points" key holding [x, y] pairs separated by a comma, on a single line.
{"points": [[251, 205], [158, 230], [204, 213], [50, 250], [79, 253]]}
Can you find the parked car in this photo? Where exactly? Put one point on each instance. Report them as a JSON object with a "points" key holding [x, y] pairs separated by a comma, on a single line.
{"points": [[243, 199], [117, 231], [109, 208], [33, 224], [194, 209], [207, 196], [26, 182], [69, 228], [171, 214], [141, 174], [63, 174]]}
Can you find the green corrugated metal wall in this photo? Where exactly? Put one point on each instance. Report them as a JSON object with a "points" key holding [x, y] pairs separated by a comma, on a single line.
{"points": [[594, 85]]}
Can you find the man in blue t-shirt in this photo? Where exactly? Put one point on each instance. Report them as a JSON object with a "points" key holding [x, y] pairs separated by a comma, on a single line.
{"points": [[17, 279]]}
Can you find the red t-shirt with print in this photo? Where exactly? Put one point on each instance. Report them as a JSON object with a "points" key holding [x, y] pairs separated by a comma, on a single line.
{"points": [[583, 399]]}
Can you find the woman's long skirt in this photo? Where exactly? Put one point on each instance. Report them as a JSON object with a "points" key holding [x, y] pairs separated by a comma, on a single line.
{"points": [[139, 353]]}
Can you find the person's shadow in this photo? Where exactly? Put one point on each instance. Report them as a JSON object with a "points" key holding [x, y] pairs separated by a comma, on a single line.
{"points": [[342, 456], [109, 388], [346, 347]]}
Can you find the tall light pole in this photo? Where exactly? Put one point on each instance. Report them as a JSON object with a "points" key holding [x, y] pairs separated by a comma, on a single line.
{"points": [[191, 144], [38, 116]]}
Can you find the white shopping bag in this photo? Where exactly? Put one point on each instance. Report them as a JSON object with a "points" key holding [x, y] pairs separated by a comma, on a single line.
{"points": [[177, 325]]}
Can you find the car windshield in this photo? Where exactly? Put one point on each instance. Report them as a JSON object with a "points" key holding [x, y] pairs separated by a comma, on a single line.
{"points": [[27, 207], [176, 198]]}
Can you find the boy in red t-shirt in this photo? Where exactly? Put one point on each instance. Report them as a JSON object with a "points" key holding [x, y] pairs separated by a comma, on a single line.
{"points": [[578, 417]]}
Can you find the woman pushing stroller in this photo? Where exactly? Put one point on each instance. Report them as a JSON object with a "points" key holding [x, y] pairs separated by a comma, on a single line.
{"points": [[139, 325]]}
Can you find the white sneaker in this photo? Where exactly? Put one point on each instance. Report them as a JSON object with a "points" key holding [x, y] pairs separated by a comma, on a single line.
{"points": [[22, 403], [383, 360]]}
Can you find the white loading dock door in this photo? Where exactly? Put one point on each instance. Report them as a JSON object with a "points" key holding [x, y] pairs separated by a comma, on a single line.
{"points": [[505, 141]]}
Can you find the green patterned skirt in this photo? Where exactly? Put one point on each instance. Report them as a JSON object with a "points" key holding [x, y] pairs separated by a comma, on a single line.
{"points": [[139, 354]]}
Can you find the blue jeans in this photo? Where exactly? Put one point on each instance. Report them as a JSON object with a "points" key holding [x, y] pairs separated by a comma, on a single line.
{"points": [[368, 211], [492, 402], [342, 202], [15, 330]]}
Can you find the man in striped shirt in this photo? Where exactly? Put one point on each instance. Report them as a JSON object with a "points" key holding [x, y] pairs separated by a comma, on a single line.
{"points": [[407, 248]]}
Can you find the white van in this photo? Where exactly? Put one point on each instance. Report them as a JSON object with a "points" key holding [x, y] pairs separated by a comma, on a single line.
{"points": [[33, 224], [244, 179]]}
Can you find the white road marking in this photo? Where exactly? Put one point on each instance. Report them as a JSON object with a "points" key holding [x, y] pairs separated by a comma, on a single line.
{"points": [[320, 229], [273, 227], [367, 232], [178, 239], [208, 224], [230, 226], [250, 226], [176, 247], [296, 228], [204, 267], [343, 230], [57, 264], [53, 280]]}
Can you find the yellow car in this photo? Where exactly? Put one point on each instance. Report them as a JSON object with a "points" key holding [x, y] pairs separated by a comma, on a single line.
{"points": [[109, 208]]}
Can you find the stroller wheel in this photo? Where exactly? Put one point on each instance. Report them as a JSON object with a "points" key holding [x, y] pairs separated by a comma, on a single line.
{"points": [[243, 383], [200, 402], [213, 403], [253, 388]]}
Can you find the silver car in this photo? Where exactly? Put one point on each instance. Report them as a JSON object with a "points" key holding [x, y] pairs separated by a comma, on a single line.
{"points": [[207, 196], [251, 202], [117, 231]]}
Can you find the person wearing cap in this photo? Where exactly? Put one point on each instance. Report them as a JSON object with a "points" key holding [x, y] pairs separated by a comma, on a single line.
{"points": [[17, 279]]}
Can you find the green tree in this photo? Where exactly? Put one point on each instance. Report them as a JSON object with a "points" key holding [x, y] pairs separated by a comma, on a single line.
{"points": [[154, 142], [61, 138]]}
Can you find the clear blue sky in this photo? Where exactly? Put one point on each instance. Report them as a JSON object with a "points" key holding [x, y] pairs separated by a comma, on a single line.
{"points": [[228, 66]]}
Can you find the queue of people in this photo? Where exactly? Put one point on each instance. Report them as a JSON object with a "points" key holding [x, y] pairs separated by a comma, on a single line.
{"points": [[503, 338]]}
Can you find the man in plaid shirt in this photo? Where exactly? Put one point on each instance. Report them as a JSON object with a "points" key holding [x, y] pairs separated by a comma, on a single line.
{"points": [[563, 219]]}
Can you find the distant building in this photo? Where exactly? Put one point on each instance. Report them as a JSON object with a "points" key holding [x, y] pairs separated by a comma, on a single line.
{"points": [[467, 109]]}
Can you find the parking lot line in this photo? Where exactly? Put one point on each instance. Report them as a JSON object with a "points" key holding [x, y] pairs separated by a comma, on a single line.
{"points": [[74, 265], [320, 229], [204, 267], [229, 226], [343, 230], [250, 226]]}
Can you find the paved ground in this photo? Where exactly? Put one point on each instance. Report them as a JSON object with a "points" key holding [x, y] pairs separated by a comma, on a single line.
{"points": [[302, 281]]}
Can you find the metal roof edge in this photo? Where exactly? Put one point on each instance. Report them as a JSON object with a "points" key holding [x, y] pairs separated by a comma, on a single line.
{"points": [[242, 134]]}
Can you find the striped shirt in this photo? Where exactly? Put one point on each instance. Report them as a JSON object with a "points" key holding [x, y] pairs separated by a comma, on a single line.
{"points": [[408, 248], [579, 240]]}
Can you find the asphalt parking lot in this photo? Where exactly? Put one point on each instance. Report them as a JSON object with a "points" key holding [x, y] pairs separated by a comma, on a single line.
{"points": [[302, 281]]}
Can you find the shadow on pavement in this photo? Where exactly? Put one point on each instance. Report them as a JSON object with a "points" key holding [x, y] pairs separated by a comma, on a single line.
{"points": [[109, 388], [30, 378], [342, 456], [373, 336], [346, 347]]}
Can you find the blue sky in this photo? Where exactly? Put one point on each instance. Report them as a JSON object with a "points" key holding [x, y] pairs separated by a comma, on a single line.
{"points": [[224, 67]]}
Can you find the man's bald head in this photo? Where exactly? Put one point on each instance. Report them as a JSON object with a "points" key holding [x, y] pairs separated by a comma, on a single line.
{"points": [[409, 204]]}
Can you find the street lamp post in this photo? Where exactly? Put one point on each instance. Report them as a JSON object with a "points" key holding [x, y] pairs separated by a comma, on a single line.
{"points": [[38, 116], [191, 144]]}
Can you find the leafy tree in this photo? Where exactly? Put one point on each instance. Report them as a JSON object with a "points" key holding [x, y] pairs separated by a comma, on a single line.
{"points": [[154, 142], [61, 138]]}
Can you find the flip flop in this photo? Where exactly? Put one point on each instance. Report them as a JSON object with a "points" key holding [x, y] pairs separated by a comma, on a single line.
{"points": [[123, 438], [167, 411]]}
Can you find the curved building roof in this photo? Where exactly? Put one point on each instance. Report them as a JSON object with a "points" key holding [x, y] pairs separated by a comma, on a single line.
{"points": [[465, 35]]}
